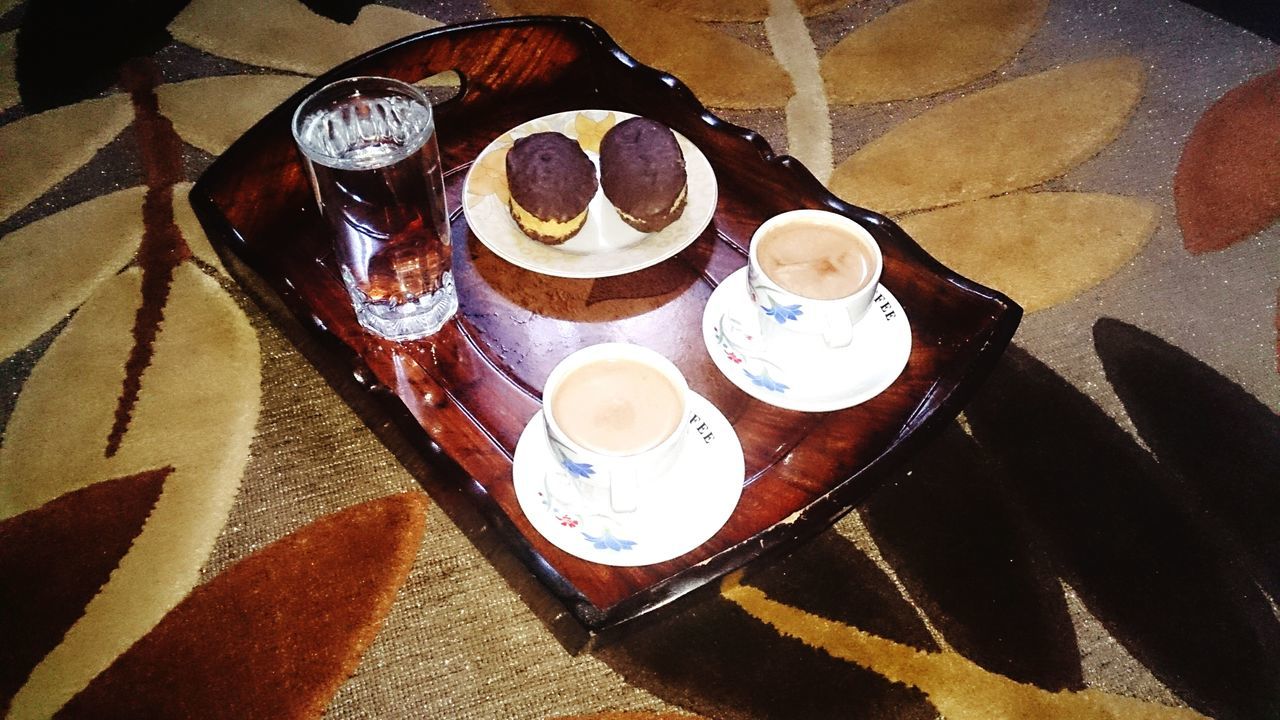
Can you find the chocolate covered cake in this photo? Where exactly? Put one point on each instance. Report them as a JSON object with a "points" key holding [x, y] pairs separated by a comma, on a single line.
{"points": [[642, 173], [551, 181]]}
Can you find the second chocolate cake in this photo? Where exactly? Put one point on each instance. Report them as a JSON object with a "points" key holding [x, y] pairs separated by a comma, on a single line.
{"points": [[642, 173], [551, 182]]}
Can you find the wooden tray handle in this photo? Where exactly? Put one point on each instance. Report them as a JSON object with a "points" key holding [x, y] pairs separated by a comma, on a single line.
{"points": [[492, 58]]}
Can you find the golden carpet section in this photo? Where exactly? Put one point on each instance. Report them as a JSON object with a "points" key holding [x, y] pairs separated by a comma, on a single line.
{"points": [[928, 46], [1012, 136], [694, 52], [957, 687], [286, 35], [1042, 248]]}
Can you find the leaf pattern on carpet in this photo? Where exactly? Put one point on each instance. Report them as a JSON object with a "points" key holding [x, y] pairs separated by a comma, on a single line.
{"points": [[69, 51], [54, 558], [42, 149], [1119, 528], [286, 35], [738, 10], [926, 46], [63, 257], [205, 374], [212, 112], [955, 685], [8, 80], [192, 231], [1227, 186], [1039, 248], [274, 635], [1008, 137], [949, 527], [734, 671], [1016, 499], [693, 52], [1221, 441]]}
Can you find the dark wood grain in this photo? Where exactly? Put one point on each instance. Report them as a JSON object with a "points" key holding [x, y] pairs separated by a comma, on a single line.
{"points": [[471, 389]]}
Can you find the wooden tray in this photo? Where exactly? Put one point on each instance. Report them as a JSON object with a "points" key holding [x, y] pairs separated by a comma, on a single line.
{"points": [[470, 390]]}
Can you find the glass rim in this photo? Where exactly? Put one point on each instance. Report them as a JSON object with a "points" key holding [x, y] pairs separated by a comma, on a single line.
{"points": [[309, 103]]}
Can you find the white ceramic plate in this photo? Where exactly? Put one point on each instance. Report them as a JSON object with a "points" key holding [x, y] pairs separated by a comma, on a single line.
{"points": [[678, 511], [606, 245], [838, 379]]}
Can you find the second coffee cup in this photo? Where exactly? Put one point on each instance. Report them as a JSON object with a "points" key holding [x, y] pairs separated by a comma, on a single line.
{"points": [[615, 416], [812, 275]]}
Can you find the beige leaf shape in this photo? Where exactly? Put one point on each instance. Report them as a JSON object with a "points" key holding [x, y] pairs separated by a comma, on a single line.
{"points": [[40, 150], [738, 10], [1038, 248], [926, 46], [196, 412], [1011, 136], [192, 231], [591, 132], [720, 70], [286, 35], [958, 687], [50, 266], [490, 176], [8, 79], [212, 112]]}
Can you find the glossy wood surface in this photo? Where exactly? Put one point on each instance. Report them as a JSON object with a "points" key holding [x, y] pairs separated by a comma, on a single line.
{"points": [[471, 389]]}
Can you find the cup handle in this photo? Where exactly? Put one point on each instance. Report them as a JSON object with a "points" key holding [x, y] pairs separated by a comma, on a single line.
{"points": [[623, 490], [838, 332]]}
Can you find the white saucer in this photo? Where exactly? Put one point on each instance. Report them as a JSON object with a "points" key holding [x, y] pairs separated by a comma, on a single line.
{"points": [[678, 512], [830, 380], [605, 245]]}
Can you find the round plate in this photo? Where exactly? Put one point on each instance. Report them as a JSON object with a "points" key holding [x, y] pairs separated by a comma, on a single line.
{"points": [[605, 245], [679, 511], [836, 380]]}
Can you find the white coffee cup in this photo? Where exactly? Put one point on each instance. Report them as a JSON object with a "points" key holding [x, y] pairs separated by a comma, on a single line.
{"points": [[812, 275], [616, 417]]}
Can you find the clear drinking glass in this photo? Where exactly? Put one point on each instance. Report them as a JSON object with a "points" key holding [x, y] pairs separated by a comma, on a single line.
{"points": [[370, 148]]}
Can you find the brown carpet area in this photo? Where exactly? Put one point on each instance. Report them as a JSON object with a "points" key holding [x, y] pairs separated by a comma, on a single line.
{"points": [[194, 524]]}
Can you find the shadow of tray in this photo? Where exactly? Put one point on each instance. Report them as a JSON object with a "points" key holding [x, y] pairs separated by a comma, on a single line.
{"points": [[461, 398]]}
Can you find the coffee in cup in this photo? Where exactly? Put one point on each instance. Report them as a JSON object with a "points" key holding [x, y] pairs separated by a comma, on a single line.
{"points": [[617, 406], [615, 416], [816, 259], [812, 275]]}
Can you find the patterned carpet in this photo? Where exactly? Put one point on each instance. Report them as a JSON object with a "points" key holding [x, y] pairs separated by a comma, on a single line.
{"points": [[194, 524]]}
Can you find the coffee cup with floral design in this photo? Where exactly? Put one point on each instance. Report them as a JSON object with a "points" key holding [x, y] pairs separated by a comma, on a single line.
{"points": [[812, 275], [616, 416]]}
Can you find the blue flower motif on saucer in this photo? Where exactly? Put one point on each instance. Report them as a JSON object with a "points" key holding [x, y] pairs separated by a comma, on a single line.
{"points": [[766, 382], [607, 541], [783, 313], [578, 470]]}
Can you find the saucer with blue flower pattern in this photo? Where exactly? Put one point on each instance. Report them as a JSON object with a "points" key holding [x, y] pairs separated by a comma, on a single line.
{"points": [[678, 511], [819, 381]]}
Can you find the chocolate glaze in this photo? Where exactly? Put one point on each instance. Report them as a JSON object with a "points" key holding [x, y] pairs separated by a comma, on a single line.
{"points": [[550, 176], [642, 173]]}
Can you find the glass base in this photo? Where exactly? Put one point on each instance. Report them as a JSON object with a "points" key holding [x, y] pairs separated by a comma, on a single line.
{"points": [[408, 321]]}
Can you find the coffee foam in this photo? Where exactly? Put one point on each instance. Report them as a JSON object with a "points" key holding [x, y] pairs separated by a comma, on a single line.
{"points": [[617, 406], [815, 259]]}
